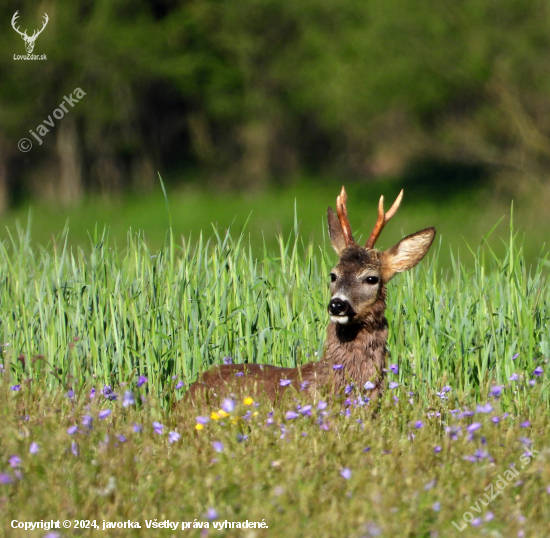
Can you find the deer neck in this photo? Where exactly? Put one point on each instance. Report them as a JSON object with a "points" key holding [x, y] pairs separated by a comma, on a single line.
{"points": [[358, 351]]}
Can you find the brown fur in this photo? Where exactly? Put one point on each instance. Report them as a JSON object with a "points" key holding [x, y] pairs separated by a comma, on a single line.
{"points": [[355, 343]]}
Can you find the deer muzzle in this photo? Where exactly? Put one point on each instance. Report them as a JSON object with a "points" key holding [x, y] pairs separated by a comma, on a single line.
{"points": [[340, 310]]}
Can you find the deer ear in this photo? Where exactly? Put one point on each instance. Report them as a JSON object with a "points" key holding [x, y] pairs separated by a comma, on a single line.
{"points": [[406, 254], [335, 231]]}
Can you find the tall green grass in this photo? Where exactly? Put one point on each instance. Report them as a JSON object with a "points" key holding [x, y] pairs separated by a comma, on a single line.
{"points": [[77, 319], [119, 312]]}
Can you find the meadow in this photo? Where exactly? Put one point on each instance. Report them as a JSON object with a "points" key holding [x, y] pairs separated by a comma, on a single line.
{"points": [[99, 343]]}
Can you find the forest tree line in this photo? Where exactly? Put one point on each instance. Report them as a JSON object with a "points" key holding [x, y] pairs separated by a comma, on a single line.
{"points": [[247, 93]]}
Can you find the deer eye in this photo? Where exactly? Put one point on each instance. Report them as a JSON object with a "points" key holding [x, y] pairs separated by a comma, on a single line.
{"points": [[332, 277], [371, 280]]}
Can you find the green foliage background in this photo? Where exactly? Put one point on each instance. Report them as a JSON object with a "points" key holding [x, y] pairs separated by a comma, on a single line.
{"points": [[261, 91]]}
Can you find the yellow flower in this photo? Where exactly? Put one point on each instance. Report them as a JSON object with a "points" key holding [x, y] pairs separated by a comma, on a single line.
{"points": [[199, 427], [214, 415], [222, 413], [255, 414], [248, 401]]}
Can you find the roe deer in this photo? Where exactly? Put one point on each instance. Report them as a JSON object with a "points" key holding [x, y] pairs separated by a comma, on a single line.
{"points": [[355, 348]]}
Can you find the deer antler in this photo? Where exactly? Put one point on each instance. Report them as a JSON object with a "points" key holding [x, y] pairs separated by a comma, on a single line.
{"points": [[342, 212], [36, 33], [383, 218], [14, 18]]}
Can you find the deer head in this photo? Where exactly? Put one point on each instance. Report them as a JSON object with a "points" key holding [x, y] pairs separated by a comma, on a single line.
{"points": [[29, 40], [359, 278]]}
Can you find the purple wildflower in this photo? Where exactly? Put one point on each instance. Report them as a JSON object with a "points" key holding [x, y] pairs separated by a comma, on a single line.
{"points": [[366, 449], [525, 424], [128, 399], [532, 382], [158, 427], [71, 430], [15, 387], [430, 484], [228, 405], [289, 415], [496, 420], [202, 420], [481, 454], [34, 448], [70, 394], [394, 368], [453, 431], [227, 360], [321, 405], [348, 388], [109, 393], [515, 356], [538, 371], [496, 391], [138, 427], [74, 449], [474, 426], [121, 437], [487, 408], [239, 374], [369, 385], [513, 377], [217, 446], [346, 473], [304, 385], [437, 449], [87, 421], [173, 437], [489, 516], [418, 424], [104, 414], [179, 385], [5, 478], [241, 437], [92, 393], [476, 522], [393, 384], [436, 506], [285, 382], [337, 366], [14, 461], [526, 441], [141, 381], [306, 410], [211, 514]]}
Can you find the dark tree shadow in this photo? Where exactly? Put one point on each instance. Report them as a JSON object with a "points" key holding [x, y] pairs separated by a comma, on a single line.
{"points": [[440, 180]]}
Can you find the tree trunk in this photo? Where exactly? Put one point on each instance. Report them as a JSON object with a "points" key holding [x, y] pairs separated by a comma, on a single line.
{"points": [[4, 194], [70, 186], [256, 139]]}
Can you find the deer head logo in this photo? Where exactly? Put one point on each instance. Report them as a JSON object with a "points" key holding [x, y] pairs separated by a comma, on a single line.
{"points": [[29, 40]]}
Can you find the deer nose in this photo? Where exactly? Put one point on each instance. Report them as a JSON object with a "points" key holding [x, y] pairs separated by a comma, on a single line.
{"points": [[338, 307]]}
